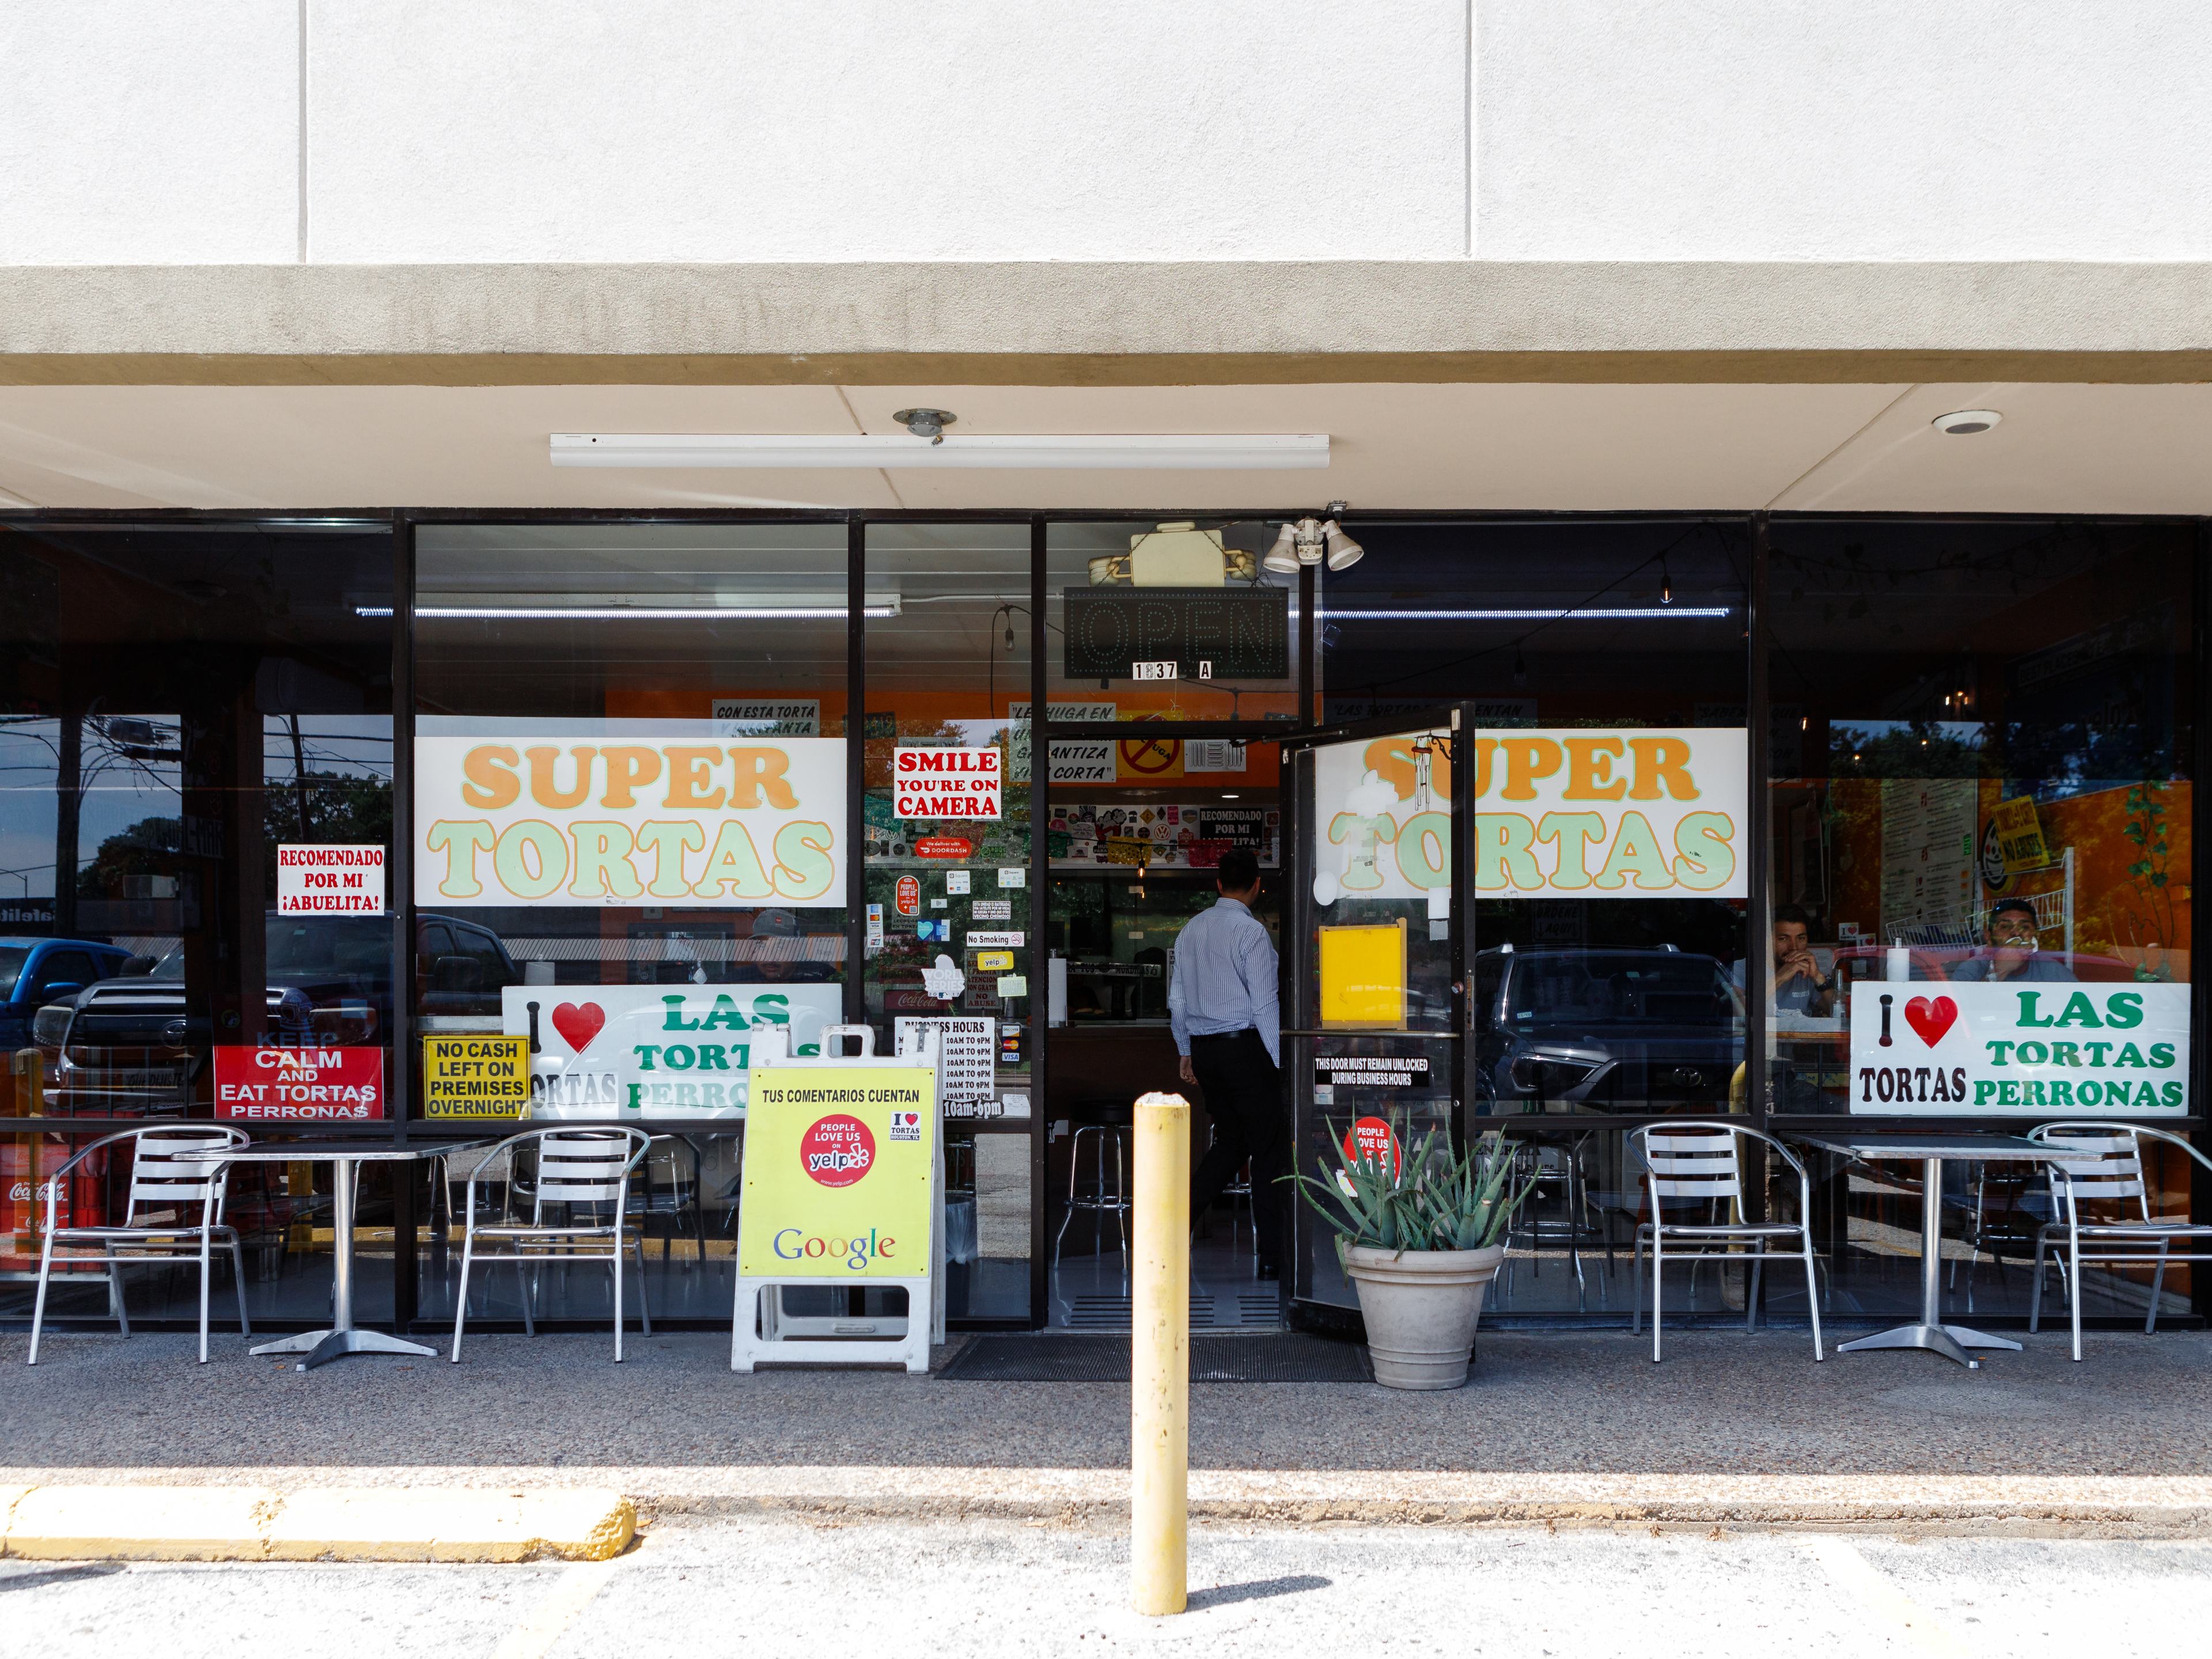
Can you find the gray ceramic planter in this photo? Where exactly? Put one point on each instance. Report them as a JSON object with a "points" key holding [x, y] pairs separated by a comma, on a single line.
{"points": [[1420, 1307]]}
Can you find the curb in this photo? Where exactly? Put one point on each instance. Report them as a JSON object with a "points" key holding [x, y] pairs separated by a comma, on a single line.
{"points": [[487, 1513], [259, 1524], [2000, 1505]]}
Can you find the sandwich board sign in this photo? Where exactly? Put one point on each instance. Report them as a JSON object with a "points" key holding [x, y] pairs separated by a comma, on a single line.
{"points": [[842, 1186]]}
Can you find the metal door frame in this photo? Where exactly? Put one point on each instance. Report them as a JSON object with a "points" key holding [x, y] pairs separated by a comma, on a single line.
{"points": [[1299, 990]]}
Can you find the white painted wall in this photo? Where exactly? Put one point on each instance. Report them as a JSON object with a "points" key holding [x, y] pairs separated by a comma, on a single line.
{"points": [[149, 131], [704, 130], [162, 131], [1844, 130]]}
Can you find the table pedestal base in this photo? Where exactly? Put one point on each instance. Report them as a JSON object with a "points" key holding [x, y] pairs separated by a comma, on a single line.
{"points": [[323, 1346], [1952, 1341]]}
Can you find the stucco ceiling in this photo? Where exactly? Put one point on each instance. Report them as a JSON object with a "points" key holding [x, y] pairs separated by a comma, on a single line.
{"points": [[2062, 447]]}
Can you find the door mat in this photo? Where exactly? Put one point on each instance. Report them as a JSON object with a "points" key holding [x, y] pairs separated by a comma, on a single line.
{"points": [[1059, 1357]]}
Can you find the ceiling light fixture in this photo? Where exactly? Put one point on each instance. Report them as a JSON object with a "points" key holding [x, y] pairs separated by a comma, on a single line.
{"points": [[928, 423], [1227, 452], [1624, 613], [596, 608], [1965, 422]]}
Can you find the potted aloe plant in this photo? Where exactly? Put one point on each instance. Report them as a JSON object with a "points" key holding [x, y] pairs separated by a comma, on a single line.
{"points": [[1420, 1242]]}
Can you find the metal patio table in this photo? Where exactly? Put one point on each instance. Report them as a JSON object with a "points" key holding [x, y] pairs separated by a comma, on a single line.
{"points": [[345, 1158], [1931, 1151]]}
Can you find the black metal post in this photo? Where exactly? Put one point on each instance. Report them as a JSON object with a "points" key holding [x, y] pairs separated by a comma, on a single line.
{"points": [[1310, 638], [856, 771], [2200, 862], [1759, 914], [403, 1085], [1039, 914]]}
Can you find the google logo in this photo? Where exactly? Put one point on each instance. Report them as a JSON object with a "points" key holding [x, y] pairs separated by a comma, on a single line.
{"points": [[791, 1245]]}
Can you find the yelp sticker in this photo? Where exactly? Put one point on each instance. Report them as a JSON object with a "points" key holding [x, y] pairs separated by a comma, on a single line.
{"points": [[837, 1151]]}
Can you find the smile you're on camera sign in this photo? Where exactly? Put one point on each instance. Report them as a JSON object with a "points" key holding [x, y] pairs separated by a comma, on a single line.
{"points": [[2050, 1049]]}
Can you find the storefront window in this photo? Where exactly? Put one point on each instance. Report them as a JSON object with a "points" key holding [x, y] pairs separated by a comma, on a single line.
{"points": [[630, 831], [950, 933], [1982, 820], [195, 807]]}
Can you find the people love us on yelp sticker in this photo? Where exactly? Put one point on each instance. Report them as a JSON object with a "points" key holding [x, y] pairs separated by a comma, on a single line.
{"points": [[837, 1151]]}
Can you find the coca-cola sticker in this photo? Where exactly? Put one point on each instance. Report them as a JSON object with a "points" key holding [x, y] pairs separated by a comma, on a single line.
{"points": [[837, 1151]]}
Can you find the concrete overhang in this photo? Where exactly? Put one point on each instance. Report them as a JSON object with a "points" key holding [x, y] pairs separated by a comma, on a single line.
{"points": [[1105, 324]]}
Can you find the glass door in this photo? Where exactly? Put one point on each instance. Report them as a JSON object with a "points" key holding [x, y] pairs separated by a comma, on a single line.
{"points": [[1376, 952]]}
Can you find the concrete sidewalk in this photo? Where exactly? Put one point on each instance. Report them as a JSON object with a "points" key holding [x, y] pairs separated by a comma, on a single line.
{"points": [[1734, 1429]]}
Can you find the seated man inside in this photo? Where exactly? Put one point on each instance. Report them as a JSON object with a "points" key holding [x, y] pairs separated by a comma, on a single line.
{"points": [[1798, 986], [2012, 954]]}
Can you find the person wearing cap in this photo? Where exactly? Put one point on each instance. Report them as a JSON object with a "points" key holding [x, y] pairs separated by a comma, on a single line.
{"points": [[2011, 955], [780, 961]]}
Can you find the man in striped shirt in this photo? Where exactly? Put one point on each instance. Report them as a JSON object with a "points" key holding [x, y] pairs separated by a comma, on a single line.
{"points": [[1223, 1006]]}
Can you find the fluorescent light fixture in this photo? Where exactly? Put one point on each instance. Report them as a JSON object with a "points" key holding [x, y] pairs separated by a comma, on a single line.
{"points": [[594, 607], [1227, 452], [1626, 613]]}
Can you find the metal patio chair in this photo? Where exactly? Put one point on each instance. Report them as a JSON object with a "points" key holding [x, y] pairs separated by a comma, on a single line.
{"points": [[2109, 1171], [1700, 1161], [171, 1169], [577, 1169]]}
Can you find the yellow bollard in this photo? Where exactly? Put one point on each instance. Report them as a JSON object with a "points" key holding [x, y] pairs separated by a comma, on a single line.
{"points": [[1159, 1360]]}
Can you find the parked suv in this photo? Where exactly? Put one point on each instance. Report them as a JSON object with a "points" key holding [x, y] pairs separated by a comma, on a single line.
{"points": [[1626, 1031], [34, 972], [128, 1047]]}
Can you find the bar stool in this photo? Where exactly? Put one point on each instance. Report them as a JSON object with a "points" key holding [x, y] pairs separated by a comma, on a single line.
{"points": [[1241, 1186], [1105, 1194]]}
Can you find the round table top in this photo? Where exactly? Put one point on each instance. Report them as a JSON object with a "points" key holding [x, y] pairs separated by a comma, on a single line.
{"points": [[315, 1152]]}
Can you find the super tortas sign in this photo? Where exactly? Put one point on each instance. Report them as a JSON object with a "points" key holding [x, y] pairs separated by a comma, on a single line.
{"points": [[1582, 812], [624, 813], [2048, 1049], [838, 1165]]}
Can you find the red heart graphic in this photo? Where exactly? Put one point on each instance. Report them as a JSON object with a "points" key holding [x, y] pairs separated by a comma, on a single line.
{"points": [[578, 1026], [1930, 1019]]}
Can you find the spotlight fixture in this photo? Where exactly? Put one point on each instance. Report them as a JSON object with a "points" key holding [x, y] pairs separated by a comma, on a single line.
{"points": [[928, 423], [1965, 422], [1309, 541]]}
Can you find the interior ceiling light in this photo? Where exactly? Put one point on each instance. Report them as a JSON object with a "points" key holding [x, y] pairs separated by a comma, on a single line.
{"points": [[735, 607], [1965, 422], [1220, 451], [1309, 541], [1580, 613]]}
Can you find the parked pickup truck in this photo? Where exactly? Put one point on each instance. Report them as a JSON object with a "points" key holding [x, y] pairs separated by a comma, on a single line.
{"points": [[133, 1045]]}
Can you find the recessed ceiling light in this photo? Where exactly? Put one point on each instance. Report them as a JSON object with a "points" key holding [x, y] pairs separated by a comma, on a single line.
{"points": [[1964, 422]]}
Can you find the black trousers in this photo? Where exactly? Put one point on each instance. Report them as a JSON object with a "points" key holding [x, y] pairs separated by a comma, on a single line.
{"points": [[1244, 1098]]}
